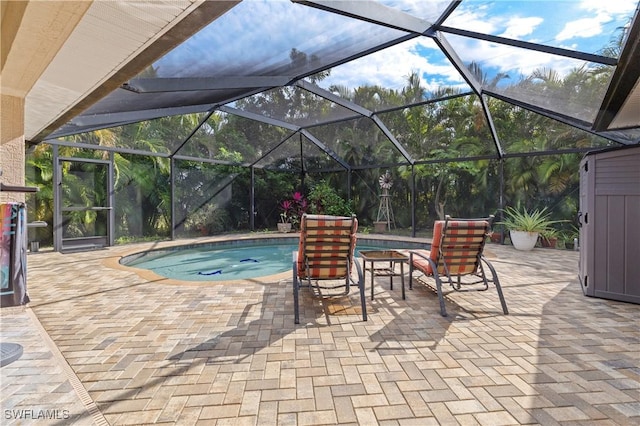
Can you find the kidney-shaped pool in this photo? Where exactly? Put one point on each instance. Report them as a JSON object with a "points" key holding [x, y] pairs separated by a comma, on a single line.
{"points": [[224, 261]]}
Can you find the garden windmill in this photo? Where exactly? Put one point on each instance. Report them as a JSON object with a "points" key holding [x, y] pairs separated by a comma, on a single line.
{"points": [[385, 213]]}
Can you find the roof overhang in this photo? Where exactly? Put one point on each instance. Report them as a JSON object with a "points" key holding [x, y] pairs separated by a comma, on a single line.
{"points": [[61, 57], [621, 105]]}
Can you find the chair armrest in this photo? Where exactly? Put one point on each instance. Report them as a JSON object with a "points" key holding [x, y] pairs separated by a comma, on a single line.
{"points": [[420, 253], [424, 254]]}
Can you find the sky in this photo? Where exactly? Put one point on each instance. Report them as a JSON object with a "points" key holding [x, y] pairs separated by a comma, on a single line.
{"points": [[258, 35], [586, 26]]}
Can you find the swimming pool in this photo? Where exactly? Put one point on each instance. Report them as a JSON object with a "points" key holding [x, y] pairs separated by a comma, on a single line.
{"points": [[227, 260], [217, 264]]}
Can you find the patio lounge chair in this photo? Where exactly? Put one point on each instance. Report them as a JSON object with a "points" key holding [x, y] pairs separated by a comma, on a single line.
{"points": [[456, 257], [325, 255]]}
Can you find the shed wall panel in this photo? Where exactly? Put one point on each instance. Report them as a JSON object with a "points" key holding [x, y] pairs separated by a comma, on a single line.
{"points": [[615, 244], [632, 247], [609, 262], [600, 241], [618, 176]]}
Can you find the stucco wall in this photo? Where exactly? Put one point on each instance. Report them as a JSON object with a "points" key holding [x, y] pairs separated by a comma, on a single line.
{"points": [[12, 157]]}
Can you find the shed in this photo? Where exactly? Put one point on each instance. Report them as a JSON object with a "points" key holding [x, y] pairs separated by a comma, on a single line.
{"points": [[609, 217]]}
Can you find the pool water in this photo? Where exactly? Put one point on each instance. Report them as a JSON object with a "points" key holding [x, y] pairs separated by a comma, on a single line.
{"points": [[213, 264], [210, 264]]}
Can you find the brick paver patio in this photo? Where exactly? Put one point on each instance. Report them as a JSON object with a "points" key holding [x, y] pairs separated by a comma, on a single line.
{"points": [[104, 345]]}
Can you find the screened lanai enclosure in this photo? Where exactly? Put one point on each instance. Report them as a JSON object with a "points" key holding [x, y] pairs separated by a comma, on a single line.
{"points": [[469, 106]]}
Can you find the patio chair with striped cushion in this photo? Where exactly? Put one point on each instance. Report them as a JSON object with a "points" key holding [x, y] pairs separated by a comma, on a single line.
{"points": [[325, 259], [456, 257]]}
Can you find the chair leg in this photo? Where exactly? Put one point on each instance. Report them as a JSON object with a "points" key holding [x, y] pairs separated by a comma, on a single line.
{"points": [[363, 300], [296, 287], [436, 277], [496, 282], [348, 280]]}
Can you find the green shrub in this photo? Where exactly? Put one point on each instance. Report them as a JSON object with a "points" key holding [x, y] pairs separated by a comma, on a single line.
{"points": [[323, 199]]}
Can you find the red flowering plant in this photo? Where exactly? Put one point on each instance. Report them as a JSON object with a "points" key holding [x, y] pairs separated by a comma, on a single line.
{"points": [[293, 209]]}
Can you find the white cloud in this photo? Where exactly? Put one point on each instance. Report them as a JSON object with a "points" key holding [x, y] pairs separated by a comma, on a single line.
{"points": [[483, 20], [477, 20], [518, 27], [613, 7], [585, 27], [601, 13], [390, 68], [510, 60]]}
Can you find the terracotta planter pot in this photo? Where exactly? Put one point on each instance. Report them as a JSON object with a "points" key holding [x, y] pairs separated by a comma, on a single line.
{"points": [[550, 242], [496, 237], [380, 226]]}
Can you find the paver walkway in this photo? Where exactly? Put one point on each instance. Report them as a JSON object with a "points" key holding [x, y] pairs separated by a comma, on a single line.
{"points": [[104, 345]]}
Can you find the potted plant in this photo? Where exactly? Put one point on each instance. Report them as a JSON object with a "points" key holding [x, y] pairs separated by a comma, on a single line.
{"points": [[285, 222], [570, 238], [496, 235], [525, 227], [549, 238], [380, 226], [292, 211]]}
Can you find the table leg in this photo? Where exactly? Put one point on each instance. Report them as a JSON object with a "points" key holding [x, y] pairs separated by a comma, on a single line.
{"points": [[372, 274], [391, 266], [402, 278]]}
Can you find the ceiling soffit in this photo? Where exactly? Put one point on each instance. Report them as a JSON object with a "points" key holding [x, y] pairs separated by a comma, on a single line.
{"points": [[32, 35], [112, 43]]}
